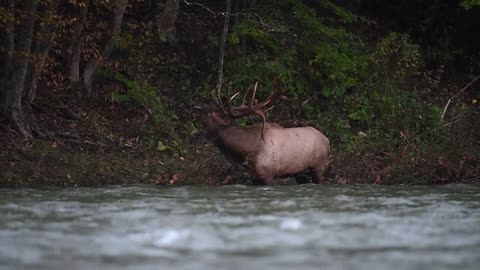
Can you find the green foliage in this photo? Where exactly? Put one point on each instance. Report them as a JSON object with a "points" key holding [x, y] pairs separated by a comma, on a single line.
{"points": [[468, 4], [336, 56], [385, 93], [155, 104], [143, 95], [397, 57], [312, 57], [270, 57], [388, 103]]}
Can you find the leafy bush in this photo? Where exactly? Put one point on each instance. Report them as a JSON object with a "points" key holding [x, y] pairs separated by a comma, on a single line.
{"points": [[389, 101], [142, 95]]}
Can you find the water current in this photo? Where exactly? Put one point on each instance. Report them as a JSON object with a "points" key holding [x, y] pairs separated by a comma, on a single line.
{"points": [[241, 227]]}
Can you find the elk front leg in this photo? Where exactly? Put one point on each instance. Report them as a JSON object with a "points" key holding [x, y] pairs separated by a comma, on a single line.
{"points": [[317, 175], [262, 181], [263, 175]]}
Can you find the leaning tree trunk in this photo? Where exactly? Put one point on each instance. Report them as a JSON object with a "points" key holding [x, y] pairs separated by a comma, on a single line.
{"points": [[12, 104], [109, 43], [45, 34]]}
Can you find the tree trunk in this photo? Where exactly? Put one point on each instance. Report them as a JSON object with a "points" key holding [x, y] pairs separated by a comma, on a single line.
{"points": [[110, 40], [243, 41], [166, 21], [223, 42], [236, 11], [238, 8], [12, 105], [8, 42], [73, 58], [46, 33]]}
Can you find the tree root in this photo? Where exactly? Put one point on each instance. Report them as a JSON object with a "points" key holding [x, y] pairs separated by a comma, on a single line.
{"points": [[17, 120]]}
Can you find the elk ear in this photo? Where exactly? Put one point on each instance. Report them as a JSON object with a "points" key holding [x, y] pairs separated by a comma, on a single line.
{"points": [[197, 110], [202, 108], [219, 118]]}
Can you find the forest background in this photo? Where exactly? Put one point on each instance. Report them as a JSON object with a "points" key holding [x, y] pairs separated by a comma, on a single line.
{"points": [[101, 92]]}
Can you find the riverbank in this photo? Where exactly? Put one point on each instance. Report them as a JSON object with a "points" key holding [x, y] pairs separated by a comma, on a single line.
{"points": [[96, 143]]}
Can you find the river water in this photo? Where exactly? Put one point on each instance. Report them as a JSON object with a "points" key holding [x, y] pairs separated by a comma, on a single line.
{"points": [[241, 227]]}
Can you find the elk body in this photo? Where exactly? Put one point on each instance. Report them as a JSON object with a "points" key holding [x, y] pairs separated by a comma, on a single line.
{"points": [[270, 150]]}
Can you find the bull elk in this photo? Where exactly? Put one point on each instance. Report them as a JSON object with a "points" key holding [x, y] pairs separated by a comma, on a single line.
{"points": [[270, 150]]}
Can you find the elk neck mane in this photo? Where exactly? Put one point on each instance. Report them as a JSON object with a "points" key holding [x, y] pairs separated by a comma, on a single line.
{"points": [[239, 141]]}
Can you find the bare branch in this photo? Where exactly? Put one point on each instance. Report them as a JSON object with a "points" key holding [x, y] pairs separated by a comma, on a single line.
{"points": [[202, 6], [229, 13], [456, 95]]}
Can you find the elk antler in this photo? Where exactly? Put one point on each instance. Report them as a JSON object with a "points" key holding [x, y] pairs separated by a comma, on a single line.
{"points": [[242, 110], [217, 99]]}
